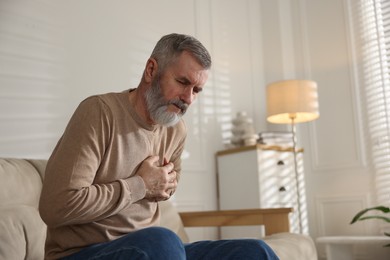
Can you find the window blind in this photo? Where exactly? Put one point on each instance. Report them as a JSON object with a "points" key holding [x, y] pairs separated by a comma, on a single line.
{"points": [[374, 21]]}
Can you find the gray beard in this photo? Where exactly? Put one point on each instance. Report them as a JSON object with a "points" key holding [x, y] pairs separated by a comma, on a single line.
{"points": [[158, 107]]}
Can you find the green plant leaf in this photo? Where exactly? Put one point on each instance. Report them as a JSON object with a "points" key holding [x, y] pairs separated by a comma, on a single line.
{"points": [[359, 215], [374, 217]]}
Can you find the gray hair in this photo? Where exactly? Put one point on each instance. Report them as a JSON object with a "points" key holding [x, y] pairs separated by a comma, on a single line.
{"points": [[170, 46]]}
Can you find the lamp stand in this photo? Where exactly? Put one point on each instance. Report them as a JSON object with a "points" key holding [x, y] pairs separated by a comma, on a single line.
{"points": [[297, 180]]}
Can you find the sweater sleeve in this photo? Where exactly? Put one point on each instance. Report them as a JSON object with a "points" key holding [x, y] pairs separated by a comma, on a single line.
{"points": [[69, 194], [176, 156]]}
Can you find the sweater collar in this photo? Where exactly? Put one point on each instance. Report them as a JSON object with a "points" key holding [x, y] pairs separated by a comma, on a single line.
{"points": [[135, 115]]}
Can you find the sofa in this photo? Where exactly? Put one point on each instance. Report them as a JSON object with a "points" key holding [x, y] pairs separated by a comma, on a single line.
{"points": [[22, 231]]}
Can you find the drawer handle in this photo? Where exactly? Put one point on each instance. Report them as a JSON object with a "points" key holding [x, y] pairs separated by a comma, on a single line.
{"points": [[280, 162]]}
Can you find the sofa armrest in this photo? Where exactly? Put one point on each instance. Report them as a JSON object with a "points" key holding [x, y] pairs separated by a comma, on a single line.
{"points": [[275, 220]]}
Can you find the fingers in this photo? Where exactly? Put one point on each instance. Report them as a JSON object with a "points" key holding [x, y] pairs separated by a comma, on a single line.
{"points": [[171, 173], [169, 194], [159, 177], [172, 177], [168, 167], [171, 186], [172, 181]]}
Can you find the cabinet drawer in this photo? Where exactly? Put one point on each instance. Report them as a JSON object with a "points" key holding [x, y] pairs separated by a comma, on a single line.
{"points": [[276, 177], [253, 177]]}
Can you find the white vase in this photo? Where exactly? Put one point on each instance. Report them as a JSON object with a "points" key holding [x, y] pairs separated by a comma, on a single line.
{"points": [[243, 130]]}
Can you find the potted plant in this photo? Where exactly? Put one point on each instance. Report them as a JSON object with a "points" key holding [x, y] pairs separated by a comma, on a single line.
{"points": [[361, 215]]}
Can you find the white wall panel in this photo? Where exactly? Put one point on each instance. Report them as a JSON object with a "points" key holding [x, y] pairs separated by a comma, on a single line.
{"points": [[31, 74], [334, 215], [332, 223], [329, 56]]}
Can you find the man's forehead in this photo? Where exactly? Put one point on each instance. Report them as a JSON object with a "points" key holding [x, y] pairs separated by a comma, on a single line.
{"points": [[193, 76], [187, 67]]}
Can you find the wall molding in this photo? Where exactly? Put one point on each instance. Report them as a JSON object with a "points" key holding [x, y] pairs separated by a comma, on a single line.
{"points": [[348, 200], [360, 161]]}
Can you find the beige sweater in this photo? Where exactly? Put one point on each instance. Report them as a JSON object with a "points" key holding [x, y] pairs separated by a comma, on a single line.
{"points": [[90, 192]]}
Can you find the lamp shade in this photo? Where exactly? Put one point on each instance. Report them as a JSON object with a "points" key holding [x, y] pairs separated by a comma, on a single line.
{"points": [[292, 99]]}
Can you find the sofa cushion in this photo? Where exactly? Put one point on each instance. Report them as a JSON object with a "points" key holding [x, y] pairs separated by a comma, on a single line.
{"points": [[292, 246], [20, 183], [39, 165], [22, 233]]}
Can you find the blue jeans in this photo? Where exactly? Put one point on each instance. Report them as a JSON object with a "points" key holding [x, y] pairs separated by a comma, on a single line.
{"points": [[161, 243]]}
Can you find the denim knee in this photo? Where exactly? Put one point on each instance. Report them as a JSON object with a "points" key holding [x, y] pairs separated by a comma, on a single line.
{"points": [[249, 249], [258, 247], [161, 243], [160, 236], [152, 243]]}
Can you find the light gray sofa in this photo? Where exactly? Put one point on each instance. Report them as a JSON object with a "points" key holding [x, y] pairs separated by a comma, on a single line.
{"points": [[22, 232]]}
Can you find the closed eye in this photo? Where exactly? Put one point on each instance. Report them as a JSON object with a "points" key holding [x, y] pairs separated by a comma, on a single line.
{"points": [[184, 82]]}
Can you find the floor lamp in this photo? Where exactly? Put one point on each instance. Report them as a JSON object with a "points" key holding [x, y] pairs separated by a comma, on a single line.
{"points": [[292, 102]]}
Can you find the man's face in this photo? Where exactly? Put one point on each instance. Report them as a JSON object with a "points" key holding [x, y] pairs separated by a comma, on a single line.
{"points": [[173, 90]]}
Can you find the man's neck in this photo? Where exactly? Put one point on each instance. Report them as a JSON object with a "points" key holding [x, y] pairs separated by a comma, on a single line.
{"points": [[137, 98]]}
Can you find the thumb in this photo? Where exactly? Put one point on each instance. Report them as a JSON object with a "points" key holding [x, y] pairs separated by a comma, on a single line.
{"points": [[153, 159]]}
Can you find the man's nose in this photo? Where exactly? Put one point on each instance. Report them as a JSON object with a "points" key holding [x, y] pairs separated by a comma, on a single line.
{"points": [[187, 96]]}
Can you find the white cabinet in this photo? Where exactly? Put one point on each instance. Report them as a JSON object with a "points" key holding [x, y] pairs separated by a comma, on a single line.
{"points": [[260, 176]]}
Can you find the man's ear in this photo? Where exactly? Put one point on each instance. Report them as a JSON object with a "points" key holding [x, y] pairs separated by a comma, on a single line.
{"points": [[151, 69]]}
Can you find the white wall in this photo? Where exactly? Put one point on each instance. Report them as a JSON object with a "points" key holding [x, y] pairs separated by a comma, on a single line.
{"points": [[338, 170], [55, 53]]}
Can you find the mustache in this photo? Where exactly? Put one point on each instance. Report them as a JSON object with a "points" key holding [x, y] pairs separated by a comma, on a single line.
{"points": [[180, 104]]}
